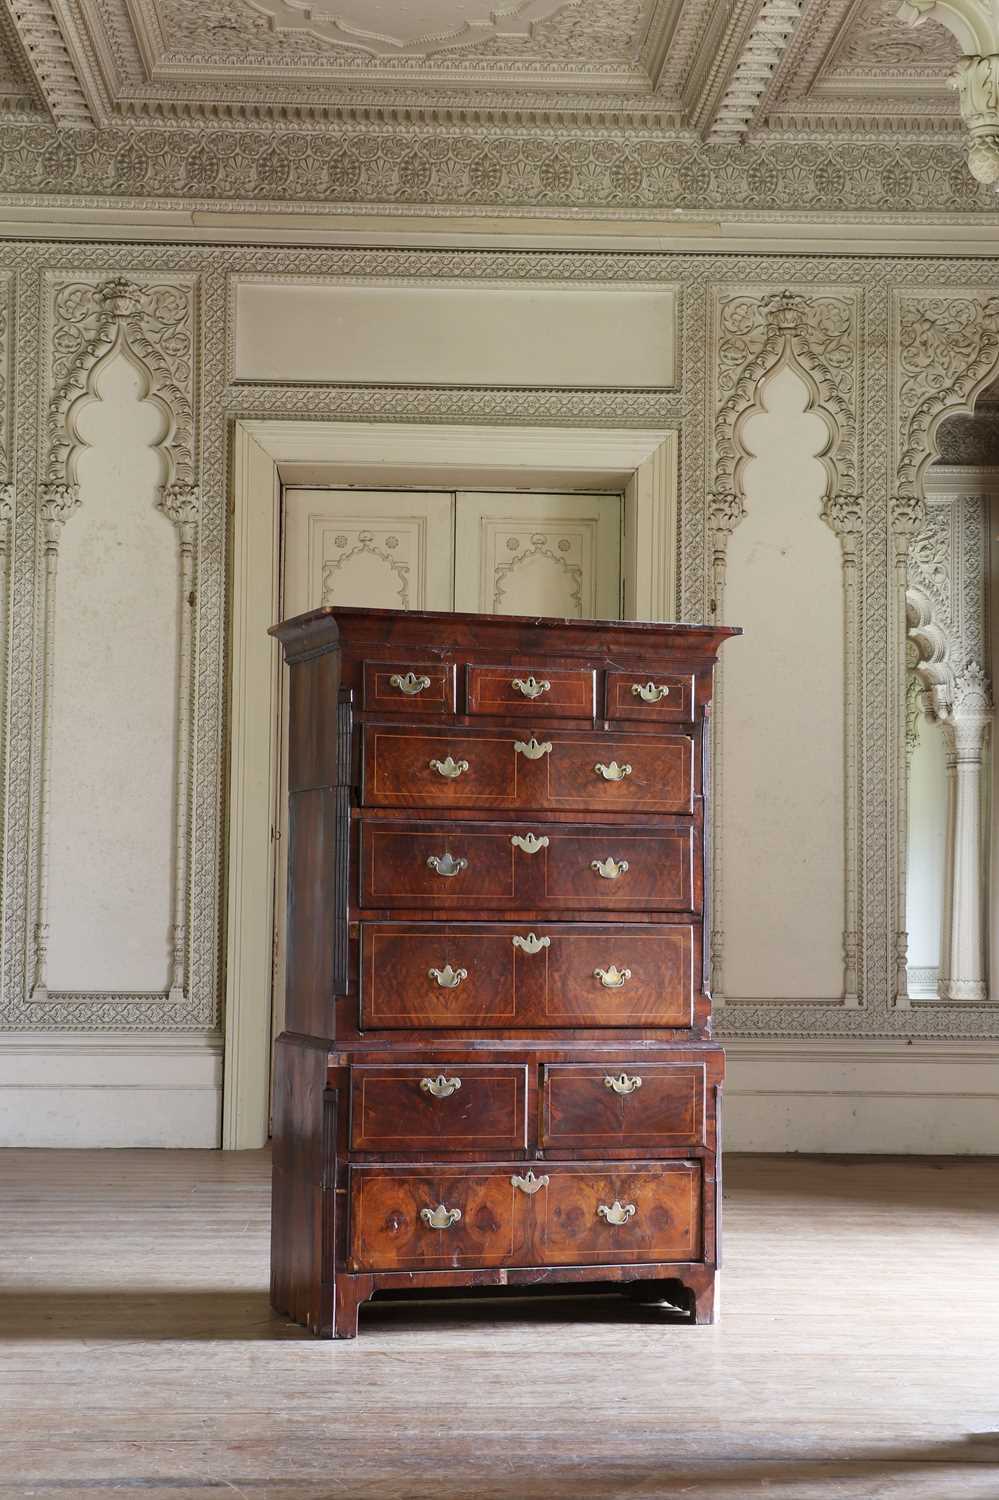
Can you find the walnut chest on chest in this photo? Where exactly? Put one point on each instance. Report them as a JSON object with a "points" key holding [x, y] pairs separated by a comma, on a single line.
{"points": [[497, 1066]]}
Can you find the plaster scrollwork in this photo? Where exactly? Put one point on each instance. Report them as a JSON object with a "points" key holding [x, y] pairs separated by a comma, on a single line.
{"points": [[816, 334], [151, 323]]}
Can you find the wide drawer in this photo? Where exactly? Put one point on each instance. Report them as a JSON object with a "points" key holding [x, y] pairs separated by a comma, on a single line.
{"points": [[549, 1214], [409, 687], [492, 974], [457, 865], [423, 1107], [531, 689], [646, 1105], [555, 770], [666, 697]]}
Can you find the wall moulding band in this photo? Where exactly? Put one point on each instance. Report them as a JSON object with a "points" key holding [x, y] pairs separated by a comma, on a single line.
{"points": [[757, 332], [91, 320]]}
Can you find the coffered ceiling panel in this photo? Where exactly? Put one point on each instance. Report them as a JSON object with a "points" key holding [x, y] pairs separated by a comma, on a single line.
{"points": [[857, 61], [603, 93]]}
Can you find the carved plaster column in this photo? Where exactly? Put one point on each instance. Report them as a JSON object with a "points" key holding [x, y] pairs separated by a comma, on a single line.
{"points": [[965, 720], [844, 514], [725, 510], [908, 517], [182, 504], [58, 502]]}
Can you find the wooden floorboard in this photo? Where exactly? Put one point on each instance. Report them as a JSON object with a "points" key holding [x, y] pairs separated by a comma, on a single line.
{"points": [[857, 1357]]}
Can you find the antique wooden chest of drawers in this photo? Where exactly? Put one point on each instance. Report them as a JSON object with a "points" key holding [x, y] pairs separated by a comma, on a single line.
{"points": [[498, 1064]]}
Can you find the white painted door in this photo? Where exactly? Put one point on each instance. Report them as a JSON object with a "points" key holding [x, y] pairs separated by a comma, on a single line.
{"points": [[533, 554], [385, 549], [512, 554]]}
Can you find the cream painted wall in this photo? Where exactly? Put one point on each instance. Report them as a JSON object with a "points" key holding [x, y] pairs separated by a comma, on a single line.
{"points": [[114, 719], [84, 1075], [782, 715]]}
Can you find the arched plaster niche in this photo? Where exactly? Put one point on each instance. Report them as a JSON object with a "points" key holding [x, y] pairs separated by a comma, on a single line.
{"points": [[114, 711], [120, 447], [783, 708]]}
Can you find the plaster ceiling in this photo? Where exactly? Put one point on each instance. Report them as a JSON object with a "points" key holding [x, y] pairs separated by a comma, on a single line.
{"points": [[726, 69]]}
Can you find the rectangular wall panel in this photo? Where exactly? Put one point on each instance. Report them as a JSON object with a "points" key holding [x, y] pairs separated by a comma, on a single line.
{"points": [[317, 330]]}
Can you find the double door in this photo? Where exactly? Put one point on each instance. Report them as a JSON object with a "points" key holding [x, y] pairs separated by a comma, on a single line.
{"points": [[482, 552]]}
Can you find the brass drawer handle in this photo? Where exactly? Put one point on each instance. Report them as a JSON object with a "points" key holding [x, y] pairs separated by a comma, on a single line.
{"points": [[649, 692], [532, 943], [530, 687], [612, 978], [618, 1213], [529, 842], [440, 1217], [530, 1184], [440, 1087], [446, 864], [449, 767], [613, 772], [410, 684], [448, 978], [609, 869], [533, 748], [622, 1084]]}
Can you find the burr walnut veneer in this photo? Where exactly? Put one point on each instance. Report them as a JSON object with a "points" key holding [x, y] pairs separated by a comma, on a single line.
{"points": [[498, 1065]]}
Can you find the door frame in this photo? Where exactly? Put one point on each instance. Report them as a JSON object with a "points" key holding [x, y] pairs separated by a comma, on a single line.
{"points": [[267, 454]]}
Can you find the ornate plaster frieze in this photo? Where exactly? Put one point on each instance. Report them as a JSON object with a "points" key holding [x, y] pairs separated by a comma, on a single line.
{"points": [[532, 171], [817, 333], [90, 319]]}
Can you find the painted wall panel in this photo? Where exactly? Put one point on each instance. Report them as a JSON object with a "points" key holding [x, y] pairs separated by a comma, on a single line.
{"points": [[456, 335], [783, 807], [114, 722]]}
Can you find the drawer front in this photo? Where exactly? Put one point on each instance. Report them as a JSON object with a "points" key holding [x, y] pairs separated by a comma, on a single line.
{"points": [[554, 1214], [554, 770], [489, 974], [532, 690], [454, 866], [643, 1105], [619, 1213], [426, 1107], [409, 687], [472, 1213], [636, 695]]}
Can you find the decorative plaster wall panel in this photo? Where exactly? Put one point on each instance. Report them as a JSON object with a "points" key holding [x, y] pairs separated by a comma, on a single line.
{"points": [[455, 334], [882, 294]]}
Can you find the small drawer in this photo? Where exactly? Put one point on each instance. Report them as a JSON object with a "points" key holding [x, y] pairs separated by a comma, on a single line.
{"points": [[664, 697], [409, 687], [559, 769], [619, 1213], [533, 691], [558, 866], [640, 1104], [426, 1107], [434, 1218], [482, 975]]}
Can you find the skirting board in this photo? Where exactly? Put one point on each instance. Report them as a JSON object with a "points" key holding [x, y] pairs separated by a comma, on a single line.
{"points": [[67, 1089], [929, 1098]]}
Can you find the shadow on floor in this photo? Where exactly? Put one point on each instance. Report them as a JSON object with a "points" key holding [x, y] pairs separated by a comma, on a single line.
{"points": [[181, 1314]]}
